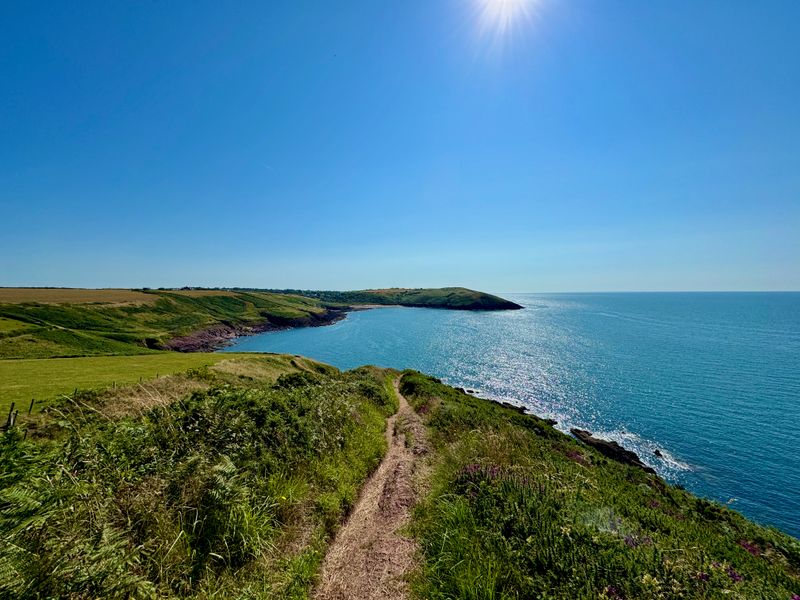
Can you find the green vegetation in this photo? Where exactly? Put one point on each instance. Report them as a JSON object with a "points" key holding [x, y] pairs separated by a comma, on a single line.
{"points": [[231, 491], [85, 327], [453, 298], [45, 379], [56, 322], [230, 480], [519, 510]]}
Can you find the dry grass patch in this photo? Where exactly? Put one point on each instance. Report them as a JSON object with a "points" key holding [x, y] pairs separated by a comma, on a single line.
{"points": [[267, 368], [74, 296], [135, 400], [201, 293]]}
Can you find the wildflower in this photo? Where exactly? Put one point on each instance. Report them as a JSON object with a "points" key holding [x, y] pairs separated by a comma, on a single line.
{"points": [[750, 547], [795, 597], [702, 576], [735, 577], [578, 457]]}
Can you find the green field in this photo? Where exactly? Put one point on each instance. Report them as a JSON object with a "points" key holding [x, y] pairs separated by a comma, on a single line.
{"points": [[45, 379]]}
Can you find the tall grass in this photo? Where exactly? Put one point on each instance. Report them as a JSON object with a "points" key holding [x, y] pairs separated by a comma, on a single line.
{"points": [[233, 491]]}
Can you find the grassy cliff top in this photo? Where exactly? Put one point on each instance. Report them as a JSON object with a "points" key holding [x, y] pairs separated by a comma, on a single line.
{"points": [[224, 482], [231, 480], [457, 298]]}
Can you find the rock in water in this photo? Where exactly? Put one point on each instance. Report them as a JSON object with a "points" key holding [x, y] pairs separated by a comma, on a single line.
{"points": [[611, 449]]}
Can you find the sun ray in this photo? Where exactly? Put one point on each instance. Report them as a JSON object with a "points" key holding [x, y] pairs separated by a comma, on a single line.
{"points": [[498, 18]]}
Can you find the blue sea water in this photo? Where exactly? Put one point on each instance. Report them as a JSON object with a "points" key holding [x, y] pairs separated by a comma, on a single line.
{"points": [[712, 380]]}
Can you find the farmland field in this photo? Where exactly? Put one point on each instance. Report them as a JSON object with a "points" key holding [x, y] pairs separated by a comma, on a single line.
{"points": [[74, 296], [45, 379]]}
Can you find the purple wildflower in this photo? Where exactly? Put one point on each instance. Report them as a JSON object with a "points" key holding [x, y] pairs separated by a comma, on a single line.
{"points": [[750, 547], [735, 577], [578, 457], [702, 576], [795, 597]]}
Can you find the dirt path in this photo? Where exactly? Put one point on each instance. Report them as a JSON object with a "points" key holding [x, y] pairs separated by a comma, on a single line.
{"points": [[369, 557]]}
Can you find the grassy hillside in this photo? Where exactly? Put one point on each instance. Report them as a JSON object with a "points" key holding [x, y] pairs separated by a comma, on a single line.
{"points": [[44, 323], [218, 483], [519, 510], [452, 298]]}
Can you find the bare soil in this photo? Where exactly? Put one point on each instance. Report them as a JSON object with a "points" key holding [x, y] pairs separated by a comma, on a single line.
{"points": [[370, 557]]}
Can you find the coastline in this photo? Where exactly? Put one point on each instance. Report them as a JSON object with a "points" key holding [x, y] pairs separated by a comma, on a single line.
{"points": [[217, 337]]}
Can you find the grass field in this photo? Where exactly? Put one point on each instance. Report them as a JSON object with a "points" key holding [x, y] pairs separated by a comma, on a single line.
{"points": [[45, 379], [11, 326], [74, 296]]}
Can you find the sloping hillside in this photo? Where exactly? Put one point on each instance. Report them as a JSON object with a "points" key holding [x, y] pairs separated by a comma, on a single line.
{"points": [[456, 298], [517, 509], [61, 323]]}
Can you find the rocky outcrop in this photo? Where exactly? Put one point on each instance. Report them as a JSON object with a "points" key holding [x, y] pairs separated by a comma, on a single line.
{"points": [[611, 449], [217, 336]]}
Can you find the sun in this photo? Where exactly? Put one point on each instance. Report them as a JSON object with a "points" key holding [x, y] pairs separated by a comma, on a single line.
{"points": [[499, 17]]}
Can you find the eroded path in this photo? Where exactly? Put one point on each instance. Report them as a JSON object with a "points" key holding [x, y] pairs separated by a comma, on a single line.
{"points": [[370, 557]]}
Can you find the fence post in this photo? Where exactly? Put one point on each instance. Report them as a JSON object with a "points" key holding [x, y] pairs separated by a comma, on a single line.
{"points": [[30, 408], [10, 412]]}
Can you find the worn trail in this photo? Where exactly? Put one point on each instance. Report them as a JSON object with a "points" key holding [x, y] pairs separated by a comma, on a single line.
{"points": [[370, 558]]}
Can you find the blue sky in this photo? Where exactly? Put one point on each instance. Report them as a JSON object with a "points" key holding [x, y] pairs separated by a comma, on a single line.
{"points": [[587, 145]]}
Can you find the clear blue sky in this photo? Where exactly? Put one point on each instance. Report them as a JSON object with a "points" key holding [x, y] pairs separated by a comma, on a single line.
{"points": [[577, 145]]}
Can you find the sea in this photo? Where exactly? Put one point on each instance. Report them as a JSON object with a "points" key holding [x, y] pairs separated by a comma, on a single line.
{"points": [[709, 380]]}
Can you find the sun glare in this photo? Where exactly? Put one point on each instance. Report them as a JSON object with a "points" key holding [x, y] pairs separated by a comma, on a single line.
{"points": [[499, 17]]}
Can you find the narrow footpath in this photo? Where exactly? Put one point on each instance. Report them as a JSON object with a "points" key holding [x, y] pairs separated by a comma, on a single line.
{"points": [[370, 558]]}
